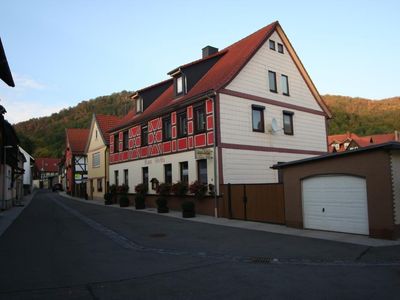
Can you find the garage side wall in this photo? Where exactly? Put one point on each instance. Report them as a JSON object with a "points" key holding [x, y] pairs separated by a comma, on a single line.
{"points": [[374, 166], [395, 165]]}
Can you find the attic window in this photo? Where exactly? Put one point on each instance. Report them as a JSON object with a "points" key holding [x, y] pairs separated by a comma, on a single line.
{"points": [[139, 105], [272, 45], [179, 85], [280, 48]]}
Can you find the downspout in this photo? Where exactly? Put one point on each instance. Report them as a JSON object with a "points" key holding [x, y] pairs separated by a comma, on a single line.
{"points": [[216, 182]]}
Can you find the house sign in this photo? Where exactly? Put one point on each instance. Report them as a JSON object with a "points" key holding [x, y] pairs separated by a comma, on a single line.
{"points": [[203, 153]]}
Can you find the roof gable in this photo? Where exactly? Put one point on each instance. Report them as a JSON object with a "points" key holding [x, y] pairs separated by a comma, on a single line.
{"points": [[77, 139]]}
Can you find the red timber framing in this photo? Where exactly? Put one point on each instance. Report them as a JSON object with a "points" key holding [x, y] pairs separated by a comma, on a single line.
{"points": [[156, 146]]}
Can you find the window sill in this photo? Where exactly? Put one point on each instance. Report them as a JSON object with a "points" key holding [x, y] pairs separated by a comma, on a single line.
{"points": [[259, 131], [272, 91], [286, 94]]}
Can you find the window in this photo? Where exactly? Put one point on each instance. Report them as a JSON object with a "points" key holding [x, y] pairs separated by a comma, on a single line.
{"points": [[139, 104], [99, 184], [116, 143], [202, 171], [280, 48], [116, 178], [258, 118], [182, 124], [166, 129], [285, 85], [184, 171], [144, 135], [145, 176], [179, 85], [96, 134], [168, 173], [272, 81], [96, 160], [272, 45], [199, 119], [288, 122], [126, 140], [126, 177]]}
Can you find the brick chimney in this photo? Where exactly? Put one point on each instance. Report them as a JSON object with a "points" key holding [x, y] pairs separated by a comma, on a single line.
{"points": [[209, 50]]}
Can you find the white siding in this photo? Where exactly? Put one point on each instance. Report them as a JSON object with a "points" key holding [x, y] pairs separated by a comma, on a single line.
{"points": [[156, 169], [253, 78], [395, 164], [245, 166], [236, 126]]}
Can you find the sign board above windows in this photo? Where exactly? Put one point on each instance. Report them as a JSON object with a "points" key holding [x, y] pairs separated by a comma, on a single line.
{"points": [[203, 153]]}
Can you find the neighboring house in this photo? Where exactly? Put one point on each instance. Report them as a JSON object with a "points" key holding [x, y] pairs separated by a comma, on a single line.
{"points": [[28, 167], [225, 118], [351, 141], [46, 172], [97, 152], [76, 161], [6, 132], [352, 191]]}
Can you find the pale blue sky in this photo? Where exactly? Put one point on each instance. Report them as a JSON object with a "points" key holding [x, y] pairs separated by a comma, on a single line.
{"points": [[63, 52]]}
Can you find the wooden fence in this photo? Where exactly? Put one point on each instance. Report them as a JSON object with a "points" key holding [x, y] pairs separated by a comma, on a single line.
{"points": [[253, 202]]}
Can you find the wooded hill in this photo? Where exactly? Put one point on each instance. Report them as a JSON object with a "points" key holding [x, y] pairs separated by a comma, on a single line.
{"points": [[45, 137]]}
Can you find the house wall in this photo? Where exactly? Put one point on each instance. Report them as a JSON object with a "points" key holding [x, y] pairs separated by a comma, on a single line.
{"points": [[374, 166], [395, 168], [253, 78], [156, 169], [96, 145]]}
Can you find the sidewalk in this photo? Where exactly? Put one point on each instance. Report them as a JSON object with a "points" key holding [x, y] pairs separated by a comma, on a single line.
{"points": [[273, 228], [8, 216]]}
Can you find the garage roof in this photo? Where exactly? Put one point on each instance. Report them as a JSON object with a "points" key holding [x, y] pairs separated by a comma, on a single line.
{"points": [[385, 146]]}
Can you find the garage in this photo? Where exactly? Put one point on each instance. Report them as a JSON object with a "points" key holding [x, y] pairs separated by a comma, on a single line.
{"points": [[335, 203], [355, 191]]}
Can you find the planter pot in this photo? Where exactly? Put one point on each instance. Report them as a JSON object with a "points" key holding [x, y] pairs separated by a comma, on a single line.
{"points": [[108, 202], [162, 210], [188, 214], [123, 204]]}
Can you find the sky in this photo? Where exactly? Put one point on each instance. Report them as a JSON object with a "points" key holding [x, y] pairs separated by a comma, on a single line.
{"points": [[63, 52]]}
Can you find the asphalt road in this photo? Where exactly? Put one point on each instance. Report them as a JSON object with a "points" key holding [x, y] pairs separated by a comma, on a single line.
{"points": [[59, 248]]}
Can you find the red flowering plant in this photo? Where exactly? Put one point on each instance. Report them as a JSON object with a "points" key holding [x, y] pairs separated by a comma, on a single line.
{"points": [[198, 189]]}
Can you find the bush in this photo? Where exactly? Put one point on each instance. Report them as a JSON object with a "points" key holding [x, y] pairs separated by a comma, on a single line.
{"points": [[141, 189], [107, 199], [188, 209], [140, 201], [198, 189], [124, 201], [113, 193], [123, 189], [179, 189], [211, 189], [162, 206], [164, 189]]}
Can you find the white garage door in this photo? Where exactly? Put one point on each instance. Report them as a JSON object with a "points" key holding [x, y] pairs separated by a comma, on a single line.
{"points": [[335, 203]]}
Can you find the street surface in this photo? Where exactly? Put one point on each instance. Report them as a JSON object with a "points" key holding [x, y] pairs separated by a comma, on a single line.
{"points": [[60, 248]]}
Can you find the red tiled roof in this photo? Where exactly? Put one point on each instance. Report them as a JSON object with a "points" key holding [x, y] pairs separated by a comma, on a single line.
{"points": [[362, 141], [341, 137], [232, 59], [48, 164], [77, 139], [106, 122]]}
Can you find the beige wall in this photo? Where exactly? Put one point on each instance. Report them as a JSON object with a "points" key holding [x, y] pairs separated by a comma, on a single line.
{"points": [[96, 145]]}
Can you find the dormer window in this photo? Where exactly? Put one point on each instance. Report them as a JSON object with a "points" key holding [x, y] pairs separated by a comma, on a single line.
{"points": [[180, 83], [139, 105]]}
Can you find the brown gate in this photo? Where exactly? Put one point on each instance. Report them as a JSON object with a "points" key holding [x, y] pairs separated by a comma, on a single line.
{"points": [[253, 202]]}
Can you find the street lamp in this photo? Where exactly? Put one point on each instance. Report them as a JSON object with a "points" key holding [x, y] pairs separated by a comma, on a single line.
{"points": [[5, 174]]}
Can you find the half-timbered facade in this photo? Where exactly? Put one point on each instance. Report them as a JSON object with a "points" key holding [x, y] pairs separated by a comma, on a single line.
{"points": [[226, 118], [97, 152], [76, 161]]}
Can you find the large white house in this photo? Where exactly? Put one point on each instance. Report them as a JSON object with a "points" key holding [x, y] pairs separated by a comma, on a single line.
{"points": [[225, 118]]}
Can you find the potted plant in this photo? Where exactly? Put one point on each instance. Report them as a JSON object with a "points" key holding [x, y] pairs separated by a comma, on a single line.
{"points": [[113, 194], [188, 209], [179, 189], [198, 189], [141, 191], [164, 189], [107, 199], [123, 198]]}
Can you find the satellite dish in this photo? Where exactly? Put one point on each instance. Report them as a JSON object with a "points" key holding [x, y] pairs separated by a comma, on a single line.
{"points": [[274, 125]]}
